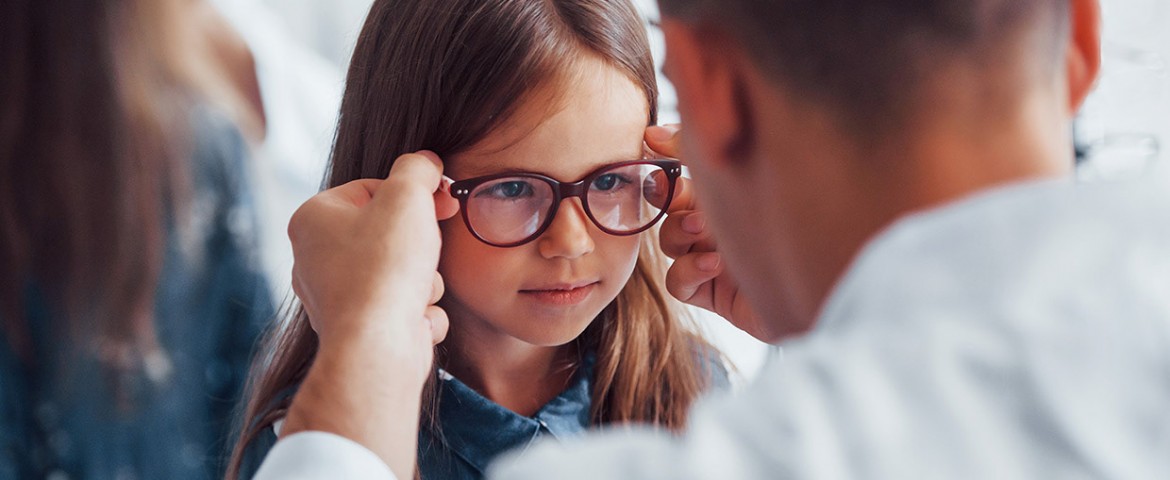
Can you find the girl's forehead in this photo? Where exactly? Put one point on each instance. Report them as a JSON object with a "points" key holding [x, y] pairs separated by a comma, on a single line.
{"points": [[599, 118]]}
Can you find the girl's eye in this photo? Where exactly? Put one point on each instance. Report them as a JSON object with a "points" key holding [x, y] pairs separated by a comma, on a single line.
{"points": [[609, 182], [507, 190]]}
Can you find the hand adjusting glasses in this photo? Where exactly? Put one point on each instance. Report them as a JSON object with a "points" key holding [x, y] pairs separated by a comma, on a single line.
{"points": [[511, 209]]}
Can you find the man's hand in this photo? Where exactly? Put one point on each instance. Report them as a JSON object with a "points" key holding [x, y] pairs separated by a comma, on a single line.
{"points": [[698, 276], [367, 254]]}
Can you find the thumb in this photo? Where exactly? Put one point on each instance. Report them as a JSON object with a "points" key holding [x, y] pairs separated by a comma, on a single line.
{"points": [[689, 275], [664, 139], [421, 171], [446, 206]]}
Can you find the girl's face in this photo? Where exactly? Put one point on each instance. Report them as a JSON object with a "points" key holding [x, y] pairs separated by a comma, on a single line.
{"points": [[546, 292]]}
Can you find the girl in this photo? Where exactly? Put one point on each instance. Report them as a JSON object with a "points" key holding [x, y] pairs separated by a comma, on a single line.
{"points": [[558, 317], [129, 297]]}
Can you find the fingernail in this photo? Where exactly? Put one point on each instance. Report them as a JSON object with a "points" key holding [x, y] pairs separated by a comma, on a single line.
{"points": [[694, 223], [708, 262], [662, 133]]}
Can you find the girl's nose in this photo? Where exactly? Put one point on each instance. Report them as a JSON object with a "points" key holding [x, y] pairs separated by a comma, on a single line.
{"points": [[569, 235]]}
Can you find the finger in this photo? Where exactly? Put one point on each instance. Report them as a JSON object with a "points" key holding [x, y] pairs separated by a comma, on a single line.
{"points": [[689, 278], [297, 288], [439, 324], [683, 198], [446, 205], [664, 139], [322, 211], [423, 170], [356, 193], [437, 288], [299, 291], [685, 232]]}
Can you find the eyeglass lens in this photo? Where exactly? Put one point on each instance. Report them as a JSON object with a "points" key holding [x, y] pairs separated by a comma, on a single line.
{"points": [[511, 209]]}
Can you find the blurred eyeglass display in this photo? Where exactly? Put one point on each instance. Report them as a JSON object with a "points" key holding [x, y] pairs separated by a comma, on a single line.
{"points": [[1124, 128]]}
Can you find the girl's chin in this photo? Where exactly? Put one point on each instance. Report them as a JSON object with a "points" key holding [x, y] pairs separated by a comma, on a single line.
{"points": [[551, 333]]}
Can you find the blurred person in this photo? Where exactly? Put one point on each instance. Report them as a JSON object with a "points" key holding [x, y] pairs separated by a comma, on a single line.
{"points": [[129, 293], [882, 187], [297, 92], [560, 321], [228, 67]]}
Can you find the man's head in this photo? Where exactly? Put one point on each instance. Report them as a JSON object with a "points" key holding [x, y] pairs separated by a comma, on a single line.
{"points": [[812, 124]]}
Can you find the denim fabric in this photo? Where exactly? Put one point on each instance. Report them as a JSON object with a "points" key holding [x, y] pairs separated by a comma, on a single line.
{"points": [[61, 417], [473, 430]]}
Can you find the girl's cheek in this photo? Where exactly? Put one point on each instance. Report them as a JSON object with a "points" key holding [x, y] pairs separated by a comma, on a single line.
{"points": [[623, 251]]}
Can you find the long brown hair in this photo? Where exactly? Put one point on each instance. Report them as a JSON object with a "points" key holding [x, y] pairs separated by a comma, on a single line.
{"points": [[442, 75], [87, 169]]}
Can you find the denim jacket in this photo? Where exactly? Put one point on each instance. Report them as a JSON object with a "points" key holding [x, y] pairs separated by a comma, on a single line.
{"points": [[60, 418], [473, 430]]}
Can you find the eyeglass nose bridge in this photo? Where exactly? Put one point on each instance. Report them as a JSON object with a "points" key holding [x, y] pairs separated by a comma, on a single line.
{"points": [[578, 189], [564, 191]]}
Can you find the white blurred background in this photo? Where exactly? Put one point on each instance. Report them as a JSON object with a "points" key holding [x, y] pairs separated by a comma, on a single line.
{"points": [[302, 47], [1124, 128]]}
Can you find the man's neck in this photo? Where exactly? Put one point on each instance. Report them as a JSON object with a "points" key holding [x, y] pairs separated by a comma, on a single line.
{"points": [[856, 196], [960, 155]]}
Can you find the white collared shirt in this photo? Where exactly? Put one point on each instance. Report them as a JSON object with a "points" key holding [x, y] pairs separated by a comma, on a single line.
{"points": [[1021, 333]]}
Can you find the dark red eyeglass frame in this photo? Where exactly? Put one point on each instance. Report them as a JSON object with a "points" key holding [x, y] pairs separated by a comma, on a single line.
{"points": [[562, 190]]}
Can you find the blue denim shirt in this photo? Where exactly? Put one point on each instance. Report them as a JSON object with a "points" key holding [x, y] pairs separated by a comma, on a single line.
{"points": [[474, 430], [60, 418]]}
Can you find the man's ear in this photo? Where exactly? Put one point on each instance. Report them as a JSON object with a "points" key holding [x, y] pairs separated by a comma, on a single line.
{"points": [[1083, 52], [707, 72]]}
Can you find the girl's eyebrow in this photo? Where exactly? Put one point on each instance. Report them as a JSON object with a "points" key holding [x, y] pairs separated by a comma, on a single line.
{"points": [[489, 169]]}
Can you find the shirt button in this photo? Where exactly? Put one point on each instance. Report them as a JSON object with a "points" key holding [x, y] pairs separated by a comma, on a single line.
{"points": [[57, 475]]}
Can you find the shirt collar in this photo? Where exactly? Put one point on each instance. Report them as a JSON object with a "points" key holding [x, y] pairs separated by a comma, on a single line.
{"points": [[478, 429]]}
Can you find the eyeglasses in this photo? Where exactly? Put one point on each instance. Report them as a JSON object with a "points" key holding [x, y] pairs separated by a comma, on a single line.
{"points": [[511, 209]]}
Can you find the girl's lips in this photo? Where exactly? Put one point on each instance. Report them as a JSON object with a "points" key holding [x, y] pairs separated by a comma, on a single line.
{"points": [[561, 296]]}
